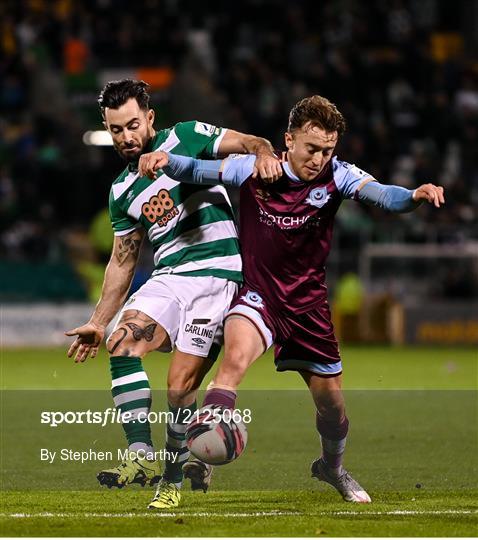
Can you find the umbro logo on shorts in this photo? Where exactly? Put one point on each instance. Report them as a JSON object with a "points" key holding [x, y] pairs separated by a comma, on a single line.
{"points": [[199, 342]]}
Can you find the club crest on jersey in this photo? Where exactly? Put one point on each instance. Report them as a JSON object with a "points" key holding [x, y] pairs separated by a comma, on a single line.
{"points": [[253, 299], [318, 197]]}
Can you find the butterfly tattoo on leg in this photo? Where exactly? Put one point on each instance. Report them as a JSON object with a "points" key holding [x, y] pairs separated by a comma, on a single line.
{"points": [[138, 333]]}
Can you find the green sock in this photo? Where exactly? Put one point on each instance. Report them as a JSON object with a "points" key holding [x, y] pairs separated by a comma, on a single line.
{"points": [[176, 442], [132, 393]]}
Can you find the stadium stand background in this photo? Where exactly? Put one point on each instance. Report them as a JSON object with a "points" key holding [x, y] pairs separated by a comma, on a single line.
{"points": [[404, 73]]}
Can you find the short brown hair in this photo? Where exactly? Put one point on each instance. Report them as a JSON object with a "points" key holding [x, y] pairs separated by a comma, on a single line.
{"points": [[320, 112]]}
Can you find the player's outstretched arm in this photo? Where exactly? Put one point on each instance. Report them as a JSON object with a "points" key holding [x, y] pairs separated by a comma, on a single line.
{"points": [[117, 281], [232, 171], [398, 199], [267, 165]]}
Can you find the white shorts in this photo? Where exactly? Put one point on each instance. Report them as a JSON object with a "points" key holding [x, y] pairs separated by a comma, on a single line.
{"points": [[190, 309]]}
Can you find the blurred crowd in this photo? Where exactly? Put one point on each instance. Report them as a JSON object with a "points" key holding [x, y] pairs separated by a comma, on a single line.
{"points": [[403, 72]]}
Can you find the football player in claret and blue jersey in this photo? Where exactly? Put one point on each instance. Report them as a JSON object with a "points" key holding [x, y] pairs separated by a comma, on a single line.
{"points": [[286, 234]]}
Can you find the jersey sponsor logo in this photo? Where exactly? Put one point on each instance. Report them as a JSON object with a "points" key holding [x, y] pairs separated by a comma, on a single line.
{"points": [[288, 222], [204, 129], [253, 299], [318, 197], [160, 208], [198, 331]]}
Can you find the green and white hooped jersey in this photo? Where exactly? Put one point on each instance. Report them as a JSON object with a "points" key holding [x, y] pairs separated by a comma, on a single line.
{"points": [[191, 228]]}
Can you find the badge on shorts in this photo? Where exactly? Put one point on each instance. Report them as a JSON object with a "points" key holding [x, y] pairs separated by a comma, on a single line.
{"points": [[253, 299], [318, 197]]}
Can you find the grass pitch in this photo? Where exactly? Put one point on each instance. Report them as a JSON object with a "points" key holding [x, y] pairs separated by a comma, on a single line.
{"points": [[246, 513], [412, 444]]}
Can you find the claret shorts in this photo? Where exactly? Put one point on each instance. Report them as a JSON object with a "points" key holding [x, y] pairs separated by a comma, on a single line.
{"points": [[303, 342]]}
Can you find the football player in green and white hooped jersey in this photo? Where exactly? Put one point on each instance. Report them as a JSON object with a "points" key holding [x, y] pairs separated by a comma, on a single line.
{"points": [[182, 306]]}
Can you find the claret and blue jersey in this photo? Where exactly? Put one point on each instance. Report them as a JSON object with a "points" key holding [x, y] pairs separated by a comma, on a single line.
{"points": [[286, 234], [288, 225]]}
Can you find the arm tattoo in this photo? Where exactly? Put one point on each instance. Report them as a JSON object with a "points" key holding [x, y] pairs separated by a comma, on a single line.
{"points": [[128, 246]]}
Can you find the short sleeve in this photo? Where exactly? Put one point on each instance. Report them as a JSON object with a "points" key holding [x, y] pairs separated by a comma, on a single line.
{"points": [[200, 139], [237, 168], [121, 222], [348, 177]]}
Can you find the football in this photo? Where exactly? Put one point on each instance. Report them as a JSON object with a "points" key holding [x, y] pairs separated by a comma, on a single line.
{"points": [[216, 435]]}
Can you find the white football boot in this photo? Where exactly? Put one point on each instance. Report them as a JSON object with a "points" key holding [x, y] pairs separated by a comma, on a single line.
{"points": [[350, 490]]}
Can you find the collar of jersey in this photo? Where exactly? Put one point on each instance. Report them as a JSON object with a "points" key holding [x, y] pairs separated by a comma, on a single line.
{"points": [[289, 172]]}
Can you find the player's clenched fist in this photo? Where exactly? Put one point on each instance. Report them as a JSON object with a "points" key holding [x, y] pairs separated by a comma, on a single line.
{"points": [[151, 162], [88, 341], [431, 193], [268, 168]]}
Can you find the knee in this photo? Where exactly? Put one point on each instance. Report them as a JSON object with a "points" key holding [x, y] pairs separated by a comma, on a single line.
{"points": [[332, 412], [235, 361], [120, 343]]}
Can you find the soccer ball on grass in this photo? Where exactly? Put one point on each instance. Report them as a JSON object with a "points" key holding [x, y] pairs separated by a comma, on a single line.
{"points": [[216, 435]]}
